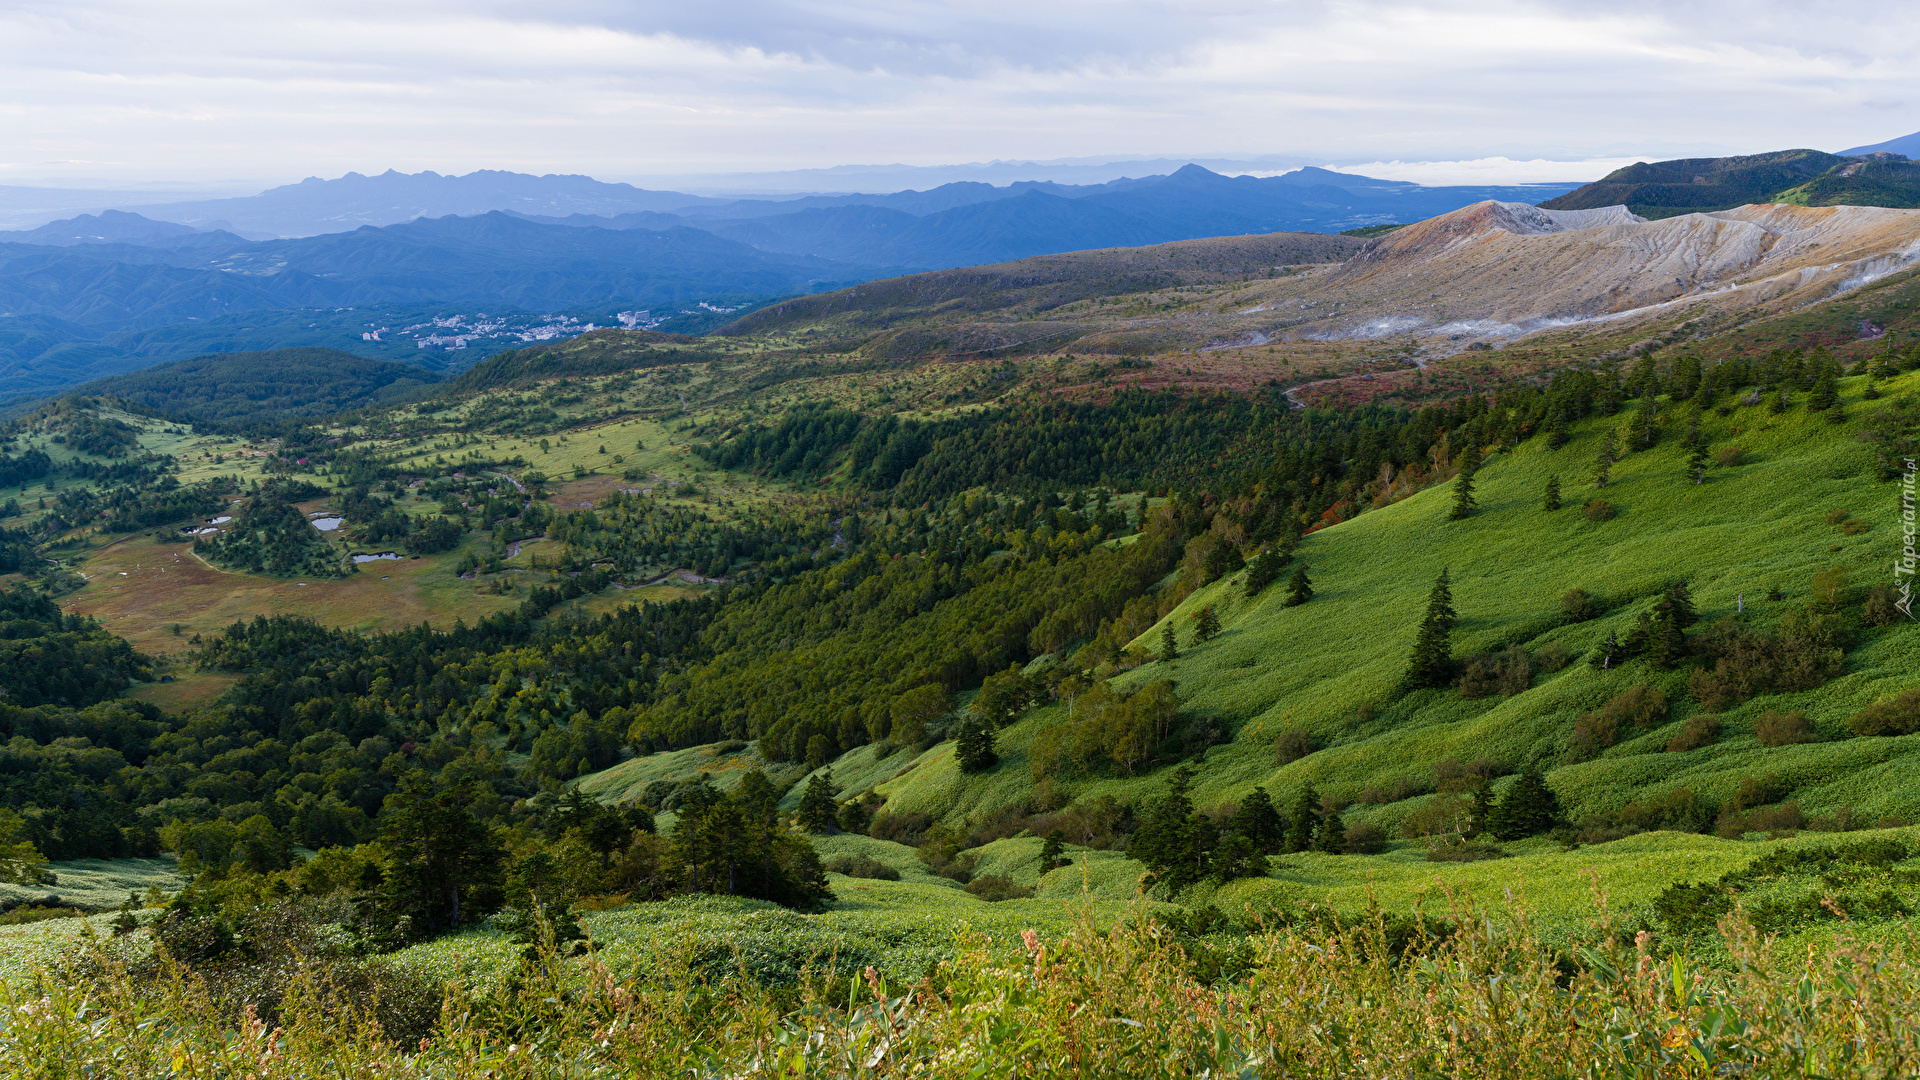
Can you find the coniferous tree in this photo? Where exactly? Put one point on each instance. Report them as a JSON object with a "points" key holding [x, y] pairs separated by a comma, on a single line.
{"points": [[817, 809], [1172, 840], [1463, 501], [1053, 853], [1609, 453], [1263, 571], [1552, 499], [1259, 821], [446, 864], [1697, 463], [1679, 602], [1432, 660], [1302, 819], [1480, 813], [1826, 391], [1529, 807], [1206, 624], [1644, 433], [1169, 644], [973, 745], [1686, 379], [1299, 588], [1331, 836], [1780, 402], [1235, 856], [1559, 436]]}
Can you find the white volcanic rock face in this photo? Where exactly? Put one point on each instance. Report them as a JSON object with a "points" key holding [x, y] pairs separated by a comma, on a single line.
{"points": [[1504, 269]]}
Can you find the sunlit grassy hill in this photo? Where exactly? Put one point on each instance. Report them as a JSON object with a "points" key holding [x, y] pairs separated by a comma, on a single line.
{"points": [[1330, 668]]}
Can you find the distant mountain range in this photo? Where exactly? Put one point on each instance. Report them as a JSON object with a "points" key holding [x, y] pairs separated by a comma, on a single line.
{"points": [[1905, 145], [422, 267], [1796, 177], [1294, 200], [89, 301], [105, 293]]}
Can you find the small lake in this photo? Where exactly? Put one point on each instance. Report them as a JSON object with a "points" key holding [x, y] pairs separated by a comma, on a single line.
{"points": [[375, 558], [327, 524]]}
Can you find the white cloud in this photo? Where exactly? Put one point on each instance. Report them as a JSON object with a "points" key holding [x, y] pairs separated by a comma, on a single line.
{"points": [[172, 89], [1491, 170]]}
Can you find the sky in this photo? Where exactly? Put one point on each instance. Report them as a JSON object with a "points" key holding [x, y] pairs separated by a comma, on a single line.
{"points": [[224, 94]]}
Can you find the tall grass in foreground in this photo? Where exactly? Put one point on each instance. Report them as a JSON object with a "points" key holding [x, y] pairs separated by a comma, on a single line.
{"points": [[1349, 1000]]}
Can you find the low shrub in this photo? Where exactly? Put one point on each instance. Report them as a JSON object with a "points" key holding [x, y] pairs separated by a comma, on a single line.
{"points": [[1292, 745], [1897, 716], [862, 866], [909, 828], [1578, 605], [1469, 852], [1597, 510], [1698, 731], [1406, 787], [1366, 840], [994, 888], [1729, 456], [1778, 729]]}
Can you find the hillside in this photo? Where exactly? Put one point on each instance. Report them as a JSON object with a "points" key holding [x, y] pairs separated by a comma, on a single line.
{"points": [[1806, 177], [882, 613], [237, 389]]}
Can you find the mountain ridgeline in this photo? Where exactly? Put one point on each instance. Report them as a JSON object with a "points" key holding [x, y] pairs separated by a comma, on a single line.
{"points": [[1800, 177]]}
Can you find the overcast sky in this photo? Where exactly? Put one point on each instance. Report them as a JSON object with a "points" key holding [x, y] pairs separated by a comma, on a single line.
{"points": [[114, 91]]}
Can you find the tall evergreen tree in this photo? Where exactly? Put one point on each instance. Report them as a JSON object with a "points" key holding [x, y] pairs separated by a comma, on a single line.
{"points": [[816, 804], [1302, 818], [1206, 624], [1609, 453], [1263, 571], [973, 745], [1053, 852], [1432, 660], [1551, 501], [1481, 811], [1169, 643], [1826, 390], [446, 865], [1558, 436], [1529, 807], [1331, 835], [1299, 588], [1259, 821], [1645, 431], [1172, 840], [1697, 464], [1463, 501]]}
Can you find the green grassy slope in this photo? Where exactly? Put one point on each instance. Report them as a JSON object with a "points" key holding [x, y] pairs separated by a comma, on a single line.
{"points": [[1326, 666]]}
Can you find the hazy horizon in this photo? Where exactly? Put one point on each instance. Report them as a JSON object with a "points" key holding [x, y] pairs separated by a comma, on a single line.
{"points": [[104, 93]]}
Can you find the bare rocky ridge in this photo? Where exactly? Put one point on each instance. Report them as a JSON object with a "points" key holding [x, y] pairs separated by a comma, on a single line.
{"points": [[1503, 270]]}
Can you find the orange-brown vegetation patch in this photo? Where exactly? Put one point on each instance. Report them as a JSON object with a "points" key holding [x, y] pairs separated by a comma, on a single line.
{"points": [[189, 690], [141, 589]]}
